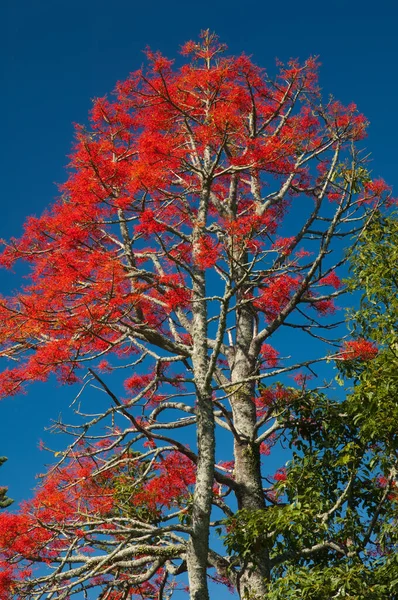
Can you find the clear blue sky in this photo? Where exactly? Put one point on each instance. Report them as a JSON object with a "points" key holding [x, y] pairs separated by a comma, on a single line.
{"points": [[56, 55]]}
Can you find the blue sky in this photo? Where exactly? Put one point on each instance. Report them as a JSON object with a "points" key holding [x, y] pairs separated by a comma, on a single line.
{"points": [[58, 54]]}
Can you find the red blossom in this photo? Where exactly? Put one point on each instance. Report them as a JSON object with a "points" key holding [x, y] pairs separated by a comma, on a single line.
{"points": [[374, 190], [302, 253], [334, 196], [301, 378], [7, 581], [360, 349], [269, 355], [265, 449], [149, 224], [178, 297], [136, 383], [275, 294], [176, 474], [382, 482], [325, 307], [134, 167], [207, 252], [284, 245], [104, 366], [331, 279], [275, 394], [280, 474]]}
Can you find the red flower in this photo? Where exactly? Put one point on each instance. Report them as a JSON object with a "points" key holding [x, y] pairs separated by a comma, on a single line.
{"points": [[206, 254], [276, 295], [284, 245], [359, 350], [332, 280], [280, 475], [301, 378], [270, 355], [325, 307], [149, 224]]}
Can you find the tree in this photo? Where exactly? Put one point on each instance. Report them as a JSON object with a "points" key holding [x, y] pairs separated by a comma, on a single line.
{"points": [[204, 214]]}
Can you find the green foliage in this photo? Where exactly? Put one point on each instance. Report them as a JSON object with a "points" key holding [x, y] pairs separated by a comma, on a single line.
{"points": [[4, 501], [355, 177], [374, 267], [352, 581], [331, 526]]}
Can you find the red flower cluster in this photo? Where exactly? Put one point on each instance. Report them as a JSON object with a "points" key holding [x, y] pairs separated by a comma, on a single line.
{"points": [[374, 191], [325, 307], [284, 245], [280, 474], [149, 224], [269, 355], [275, 394], [74, 493], [207, 253], [331, 279], [359, 350], [176, 474], [275, 295]]}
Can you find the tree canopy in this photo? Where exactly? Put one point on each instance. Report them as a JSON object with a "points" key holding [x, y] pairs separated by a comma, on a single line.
{"points": [[196, 254]]}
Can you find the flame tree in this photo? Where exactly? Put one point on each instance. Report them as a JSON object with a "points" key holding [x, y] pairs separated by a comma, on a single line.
{"points": [[206, 213]]}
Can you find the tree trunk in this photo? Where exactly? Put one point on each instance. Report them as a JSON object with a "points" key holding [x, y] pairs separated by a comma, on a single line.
{"points": [[198, 543], [254, 576]]}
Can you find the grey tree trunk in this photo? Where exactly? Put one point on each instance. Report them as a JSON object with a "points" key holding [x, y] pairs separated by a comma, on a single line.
{"points": [[198, 543], [254, 575]]}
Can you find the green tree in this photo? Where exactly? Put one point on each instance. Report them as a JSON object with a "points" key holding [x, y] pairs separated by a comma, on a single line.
{"points": [[333, 530]]}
